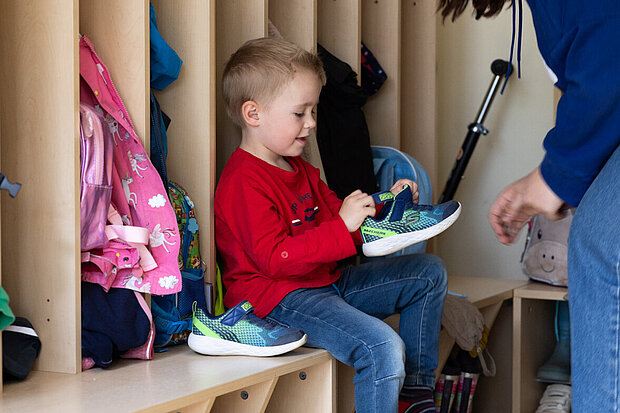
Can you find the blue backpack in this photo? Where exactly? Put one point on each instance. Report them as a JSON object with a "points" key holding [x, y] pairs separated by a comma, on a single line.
{"points": [[390, 165], [172, 313]]}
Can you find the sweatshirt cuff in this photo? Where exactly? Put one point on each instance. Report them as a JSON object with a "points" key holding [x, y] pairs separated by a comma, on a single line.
{"points": [[345, 238], [569, 188]]}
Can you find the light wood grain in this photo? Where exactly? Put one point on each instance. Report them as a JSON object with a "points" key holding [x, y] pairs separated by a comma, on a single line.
{"points": [[40, 149], [119, 31], [418, 105], [306, 391], [296, 20], [176, 379], [339, 30], [381, 22], [237, 22], [249, 399], [533, 340], [188, 26]]}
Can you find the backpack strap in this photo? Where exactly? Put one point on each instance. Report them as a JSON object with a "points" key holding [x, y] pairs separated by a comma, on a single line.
{"points": [[137, 237]]}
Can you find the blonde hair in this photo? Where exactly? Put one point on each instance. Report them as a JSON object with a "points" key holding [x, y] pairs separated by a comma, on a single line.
{"points": [[260, 68]]}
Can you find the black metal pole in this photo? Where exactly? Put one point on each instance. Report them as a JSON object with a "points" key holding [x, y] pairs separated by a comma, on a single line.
{"points": [[499, 68]]}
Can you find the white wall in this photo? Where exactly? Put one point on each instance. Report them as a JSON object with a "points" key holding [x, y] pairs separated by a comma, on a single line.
{"points": [[517, 121]]}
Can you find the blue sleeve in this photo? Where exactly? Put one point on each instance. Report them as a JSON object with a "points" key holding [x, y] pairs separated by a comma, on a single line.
{"points": [[587, 127], [165, 63]]}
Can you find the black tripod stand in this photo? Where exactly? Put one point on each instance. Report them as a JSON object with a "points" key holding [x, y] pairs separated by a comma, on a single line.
{"points": [[500, 69]]}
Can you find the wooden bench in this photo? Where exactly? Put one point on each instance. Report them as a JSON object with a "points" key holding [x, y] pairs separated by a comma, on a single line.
{"points": [[179, 380]]}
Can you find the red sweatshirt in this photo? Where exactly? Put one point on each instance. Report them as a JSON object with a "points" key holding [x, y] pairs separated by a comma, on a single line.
{"points": [[276, 231]]}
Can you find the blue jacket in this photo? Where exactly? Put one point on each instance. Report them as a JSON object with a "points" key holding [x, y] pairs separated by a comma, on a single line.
{"points": [[580, 42]]}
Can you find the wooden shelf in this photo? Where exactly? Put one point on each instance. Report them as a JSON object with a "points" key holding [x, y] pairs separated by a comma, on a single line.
{"points": [[487, 294], [39, 118], [177, 379], [533, 340], [541, 291]]}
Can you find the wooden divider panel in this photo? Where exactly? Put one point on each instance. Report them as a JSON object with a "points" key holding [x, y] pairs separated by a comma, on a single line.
{"points": [[308, 390], [236, 22], [339, 29], [296, 22], [381, 34], [40, 149], [188, 26], [418, 103], [119, 30]]}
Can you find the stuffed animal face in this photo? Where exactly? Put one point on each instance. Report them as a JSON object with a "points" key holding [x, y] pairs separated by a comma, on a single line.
{"points": [[544, 257]]}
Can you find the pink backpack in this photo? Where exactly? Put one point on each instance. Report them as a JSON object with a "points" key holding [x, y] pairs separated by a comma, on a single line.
{"points": [[141, 218], [96, 178]]}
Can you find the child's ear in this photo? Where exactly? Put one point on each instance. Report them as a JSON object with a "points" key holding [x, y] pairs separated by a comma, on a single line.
{"points": [[249, 110]]}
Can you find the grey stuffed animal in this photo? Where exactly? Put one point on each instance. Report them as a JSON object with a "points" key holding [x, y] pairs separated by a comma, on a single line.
{"points": [[544, 256]]}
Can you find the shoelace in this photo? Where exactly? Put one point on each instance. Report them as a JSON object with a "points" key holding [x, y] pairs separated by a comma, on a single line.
{"points": [[264, 323], [423, 207]]}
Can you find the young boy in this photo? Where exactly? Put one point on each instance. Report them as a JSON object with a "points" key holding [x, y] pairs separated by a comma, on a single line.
{"points": [[280, 231]]}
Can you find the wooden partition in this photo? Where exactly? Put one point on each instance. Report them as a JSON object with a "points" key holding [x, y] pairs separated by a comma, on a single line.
{"points": [[296, 22], [40, 242], [339, 29], [236, 22], [381, 34], [417, 82], [188, 26], [119, 31], [39, 114]]}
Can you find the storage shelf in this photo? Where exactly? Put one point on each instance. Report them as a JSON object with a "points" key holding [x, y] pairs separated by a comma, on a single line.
{"points": [[172, 380], [39, 118], [533, 340], [541, 291]]}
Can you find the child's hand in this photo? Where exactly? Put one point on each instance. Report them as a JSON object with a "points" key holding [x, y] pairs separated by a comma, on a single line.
{"points": [[398, 186], [355, 208]]}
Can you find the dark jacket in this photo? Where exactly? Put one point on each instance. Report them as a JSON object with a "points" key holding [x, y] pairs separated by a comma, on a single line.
{"points": [[342, 132]]}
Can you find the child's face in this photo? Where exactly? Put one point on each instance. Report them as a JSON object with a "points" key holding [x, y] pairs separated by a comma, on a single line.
{"points": [[287, 121]]}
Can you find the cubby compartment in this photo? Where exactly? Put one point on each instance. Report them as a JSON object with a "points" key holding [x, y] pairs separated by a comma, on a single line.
{"points": [[39, 114], [188, 26], [40, 111], [40, 240]]}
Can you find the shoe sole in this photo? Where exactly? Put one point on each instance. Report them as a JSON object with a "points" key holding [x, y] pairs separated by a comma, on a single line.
{"points": [[393, 243], [211, 346]]}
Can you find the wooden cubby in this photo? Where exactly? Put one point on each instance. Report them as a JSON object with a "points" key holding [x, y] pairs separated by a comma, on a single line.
{"points": [[39, 114]]}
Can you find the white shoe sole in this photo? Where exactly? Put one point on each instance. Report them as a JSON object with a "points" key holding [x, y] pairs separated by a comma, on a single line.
{"points": [[211, 346], [393, 243]]}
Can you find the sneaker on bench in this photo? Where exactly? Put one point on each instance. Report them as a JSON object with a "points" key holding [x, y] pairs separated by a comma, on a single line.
{"points": [[238, 332], [401, 223]]}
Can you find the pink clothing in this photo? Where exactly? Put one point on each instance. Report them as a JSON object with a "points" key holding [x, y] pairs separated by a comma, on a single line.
{"points": [[138, 193]]}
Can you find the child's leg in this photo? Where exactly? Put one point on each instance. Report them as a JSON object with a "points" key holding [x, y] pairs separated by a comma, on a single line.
{"points": [[414, 286], [353, 337]]}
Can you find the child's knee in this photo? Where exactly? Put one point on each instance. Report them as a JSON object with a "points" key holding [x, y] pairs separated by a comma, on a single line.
{"points": [[428, 267], [436, 271], [386, 358]]}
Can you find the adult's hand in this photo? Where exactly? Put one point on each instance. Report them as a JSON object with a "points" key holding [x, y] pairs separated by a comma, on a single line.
{"points": [[519, 202]]}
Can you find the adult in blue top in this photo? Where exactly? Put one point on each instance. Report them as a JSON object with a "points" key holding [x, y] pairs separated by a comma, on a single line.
{"points": [[580, 42]]}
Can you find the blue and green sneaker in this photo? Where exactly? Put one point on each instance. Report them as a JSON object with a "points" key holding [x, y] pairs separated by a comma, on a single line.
{"points": [[402, 223], [238, 332]]}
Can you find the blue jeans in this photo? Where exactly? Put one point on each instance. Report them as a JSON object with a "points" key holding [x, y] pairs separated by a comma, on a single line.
{"points": [[594, 294], [345, 319]]}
